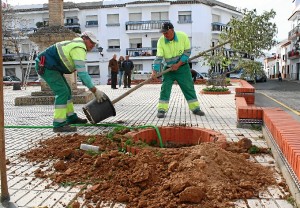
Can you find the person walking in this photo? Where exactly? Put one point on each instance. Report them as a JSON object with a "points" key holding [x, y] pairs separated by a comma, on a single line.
{"points": [[127, 67], [121, 71], [279, 77], [113, 67], [66, 57], [194, 75], [174, 49]]}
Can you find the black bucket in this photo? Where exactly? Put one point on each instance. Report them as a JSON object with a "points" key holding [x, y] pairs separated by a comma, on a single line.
{"points": [[96, 112]]}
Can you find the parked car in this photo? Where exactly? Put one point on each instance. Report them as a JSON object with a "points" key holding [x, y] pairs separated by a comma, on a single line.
{"points": [[202, 75], [259, 76], [10, 80], [237, 74]]}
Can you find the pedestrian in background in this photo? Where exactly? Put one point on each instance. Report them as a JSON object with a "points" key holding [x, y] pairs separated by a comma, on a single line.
{"points": [[174, 49], [279, 77], [114, 68], [194, 75], [121, 71], [66, 57], [127, 67]]}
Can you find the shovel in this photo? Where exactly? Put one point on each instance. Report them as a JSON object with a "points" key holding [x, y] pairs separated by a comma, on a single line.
{"points": [[96, 112]]}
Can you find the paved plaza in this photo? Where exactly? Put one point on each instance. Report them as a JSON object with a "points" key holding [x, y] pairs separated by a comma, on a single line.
{"points": [[138, 108]]}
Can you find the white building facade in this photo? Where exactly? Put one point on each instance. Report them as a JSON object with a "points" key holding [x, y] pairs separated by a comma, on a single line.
{"points": [[131, 28]]}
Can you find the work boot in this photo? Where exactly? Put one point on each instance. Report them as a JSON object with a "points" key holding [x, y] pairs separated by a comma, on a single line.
{"points": [[78, 121], [199, 112], [65, 128], [161, 114]]}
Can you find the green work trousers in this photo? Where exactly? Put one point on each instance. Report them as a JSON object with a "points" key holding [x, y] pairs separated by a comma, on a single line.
{"points": [[184, 79], [64, 108]]}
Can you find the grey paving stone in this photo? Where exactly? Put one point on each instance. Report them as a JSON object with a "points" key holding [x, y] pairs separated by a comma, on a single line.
{"points": [[136, 109]]}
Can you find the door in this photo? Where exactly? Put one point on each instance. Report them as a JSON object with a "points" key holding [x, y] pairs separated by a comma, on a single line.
{"points": [[297, 71]]}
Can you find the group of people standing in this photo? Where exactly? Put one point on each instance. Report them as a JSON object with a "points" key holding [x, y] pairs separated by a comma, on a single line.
{"points": [[124, 68]]}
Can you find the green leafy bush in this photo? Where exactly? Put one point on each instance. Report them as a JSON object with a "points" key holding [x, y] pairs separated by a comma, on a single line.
{"points": [[215, 89]]}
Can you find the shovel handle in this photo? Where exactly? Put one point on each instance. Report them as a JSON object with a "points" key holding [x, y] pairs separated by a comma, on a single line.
{"points": [[139, 85], [163, 72]]}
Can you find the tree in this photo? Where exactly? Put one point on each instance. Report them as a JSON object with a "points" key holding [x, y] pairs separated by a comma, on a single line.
{"points": [[250, 35], [14, 32]]}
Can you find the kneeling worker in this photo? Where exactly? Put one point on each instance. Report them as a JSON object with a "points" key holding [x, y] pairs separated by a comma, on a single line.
{"points": [[62, 58]]}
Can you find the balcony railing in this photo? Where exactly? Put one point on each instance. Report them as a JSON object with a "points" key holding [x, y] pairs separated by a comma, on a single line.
{"points": [[14, 57], [218, 27], [144, 25], [141, 52], [294, 32]]}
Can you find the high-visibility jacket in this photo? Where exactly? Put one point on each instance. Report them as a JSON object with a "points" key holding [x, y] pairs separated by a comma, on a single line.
{"points": [[66, 57], [179, 49]]}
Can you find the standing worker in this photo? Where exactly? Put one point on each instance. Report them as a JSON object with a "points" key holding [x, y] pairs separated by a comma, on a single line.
{"points": [[175, 49], [121, 71], [113, 67], [62, 58], [127, 67]]}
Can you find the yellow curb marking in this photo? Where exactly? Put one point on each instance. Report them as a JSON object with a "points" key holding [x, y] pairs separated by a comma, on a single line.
{"points": [[280, 103]]}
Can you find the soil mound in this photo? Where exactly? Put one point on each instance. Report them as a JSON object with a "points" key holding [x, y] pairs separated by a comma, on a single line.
{"points": [[204, 175]]}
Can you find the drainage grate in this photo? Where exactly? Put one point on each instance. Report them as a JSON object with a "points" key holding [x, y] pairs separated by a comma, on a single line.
{"points": [[250, 121]]}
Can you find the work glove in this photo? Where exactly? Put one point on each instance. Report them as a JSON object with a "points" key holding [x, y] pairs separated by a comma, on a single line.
{"points": [[100, 96]]}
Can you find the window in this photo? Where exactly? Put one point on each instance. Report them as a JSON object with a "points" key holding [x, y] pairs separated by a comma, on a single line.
{"points": [[159, 15], [93, 70], [215, 18], [154, 46], [91, 21], [10, 71], [138, 69], [71, 21], [113, 20], [135, 43], [184, 17], [113, 45], [135, 17], [32, 74]]}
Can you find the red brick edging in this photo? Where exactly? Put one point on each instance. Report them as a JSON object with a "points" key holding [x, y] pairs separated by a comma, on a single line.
{"points": [[244, 100], [176, 135], [285, 131], [215, 93]]}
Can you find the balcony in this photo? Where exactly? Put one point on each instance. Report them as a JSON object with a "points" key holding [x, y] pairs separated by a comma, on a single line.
{"points": [[141, 52], [294, 32], [217, 27], [12, 57], [75, 27], [293, 54], [144, 25]]}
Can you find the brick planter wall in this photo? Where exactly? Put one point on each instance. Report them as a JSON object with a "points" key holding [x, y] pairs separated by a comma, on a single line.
{"points": [[215, 93], [176, 135]]}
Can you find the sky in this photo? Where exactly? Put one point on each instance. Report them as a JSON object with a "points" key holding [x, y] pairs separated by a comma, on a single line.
{"points": [[283, 9]]}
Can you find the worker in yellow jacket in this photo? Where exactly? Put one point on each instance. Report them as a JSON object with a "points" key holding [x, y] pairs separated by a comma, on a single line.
{"points": [[62, 58], [175, 49]]}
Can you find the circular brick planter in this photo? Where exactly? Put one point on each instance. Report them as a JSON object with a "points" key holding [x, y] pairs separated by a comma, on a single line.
{"points": [[215, 93], [184, 136]]}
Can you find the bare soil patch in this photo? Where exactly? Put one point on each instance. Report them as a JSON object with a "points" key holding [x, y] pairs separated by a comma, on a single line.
{"points": [[204, 175]]}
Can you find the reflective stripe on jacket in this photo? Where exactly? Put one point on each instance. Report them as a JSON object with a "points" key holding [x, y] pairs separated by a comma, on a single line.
{"points": [[179, 49], [67, 53]]}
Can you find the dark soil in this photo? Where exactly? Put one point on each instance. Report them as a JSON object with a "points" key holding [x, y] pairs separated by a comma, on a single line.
{"points": [[204, 175]]}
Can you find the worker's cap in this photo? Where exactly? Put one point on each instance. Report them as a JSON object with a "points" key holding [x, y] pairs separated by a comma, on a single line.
{"points": [[166, 26], [90, 35]]}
